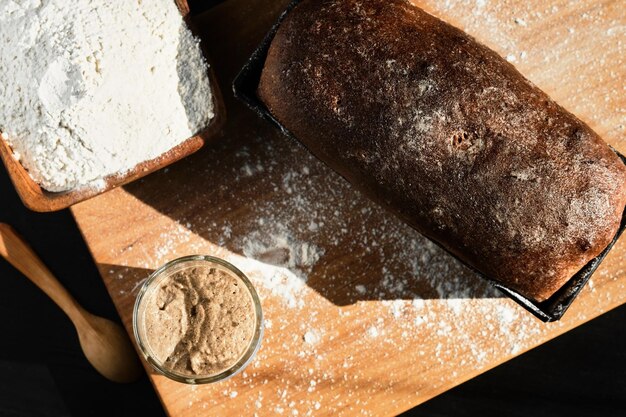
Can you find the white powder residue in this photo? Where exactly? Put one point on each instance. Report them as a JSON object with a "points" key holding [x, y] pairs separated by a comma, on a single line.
{"points": [[282, 249], [92, 88], [520, 21], [395, 294], [360, 289], [417, 303], [551, 42], [280, 282], [396, 307], [311, 337], [374, 290], [372, 332]]}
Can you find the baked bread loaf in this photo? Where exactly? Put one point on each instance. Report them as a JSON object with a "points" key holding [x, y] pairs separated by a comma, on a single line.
{"points": [[447, 135]]}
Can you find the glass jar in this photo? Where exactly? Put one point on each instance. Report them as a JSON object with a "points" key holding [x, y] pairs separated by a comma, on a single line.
{"points": [[148, 292]]}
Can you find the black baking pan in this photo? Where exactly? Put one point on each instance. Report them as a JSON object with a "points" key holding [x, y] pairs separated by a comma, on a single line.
{"points": [[245, 86]]}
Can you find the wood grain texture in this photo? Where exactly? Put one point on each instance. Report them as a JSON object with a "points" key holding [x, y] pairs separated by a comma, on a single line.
{"points": [[364, 316], [38, 199]]}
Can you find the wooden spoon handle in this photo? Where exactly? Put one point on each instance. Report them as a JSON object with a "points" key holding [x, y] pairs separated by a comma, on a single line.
{"points": [[15, 250]]}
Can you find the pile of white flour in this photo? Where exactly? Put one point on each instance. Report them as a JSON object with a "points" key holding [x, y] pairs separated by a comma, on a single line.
{"points": [[91, 88]]}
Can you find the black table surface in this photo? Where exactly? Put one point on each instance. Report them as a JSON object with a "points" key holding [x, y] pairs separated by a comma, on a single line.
{"points": [[44, 373]]}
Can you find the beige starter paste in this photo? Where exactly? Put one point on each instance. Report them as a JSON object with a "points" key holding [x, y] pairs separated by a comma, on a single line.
{"points": [[200, 321]]}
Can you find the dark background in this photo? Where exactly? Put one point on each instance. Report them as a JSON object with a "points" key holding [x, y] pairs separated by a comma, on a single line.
{"points": [[44, 373]]}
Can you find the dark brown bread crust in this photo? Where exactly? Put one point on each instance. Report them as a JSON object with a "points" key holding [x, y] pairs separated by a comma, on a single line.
{"points": [[447, 135]]}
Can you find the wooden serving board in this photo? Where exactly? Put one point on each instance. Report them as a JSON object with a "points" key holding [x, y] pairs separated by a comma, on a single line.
{"points": [[363, 316]]}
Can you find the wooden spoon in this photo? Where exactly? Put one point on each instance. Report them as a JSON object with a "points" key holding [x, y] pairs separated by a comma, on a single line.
{"points": [[105, 344]]}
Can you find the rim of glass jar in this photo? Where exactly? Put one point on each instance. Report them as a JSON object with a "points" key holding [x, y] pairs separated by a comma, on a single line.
{"points": [[237, 367]]}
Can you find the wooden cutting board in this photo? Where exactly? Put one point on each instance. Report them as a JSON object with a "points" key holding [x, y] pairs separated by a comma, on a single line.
{"points": [[363, 316]]}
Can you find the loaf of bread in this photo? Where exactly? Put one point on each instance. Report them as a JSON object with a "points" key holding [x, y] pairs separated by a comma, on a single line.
{"points": [[447, 135]]}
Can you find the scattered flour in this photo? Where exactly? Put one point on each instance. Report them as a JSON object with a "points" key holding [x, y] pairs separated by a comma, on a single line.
{"points": [[311, 337], [550, 42], [91, 88], [395, 283], [282, 249], [279, 281], [372, 332], [520, 21]]}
